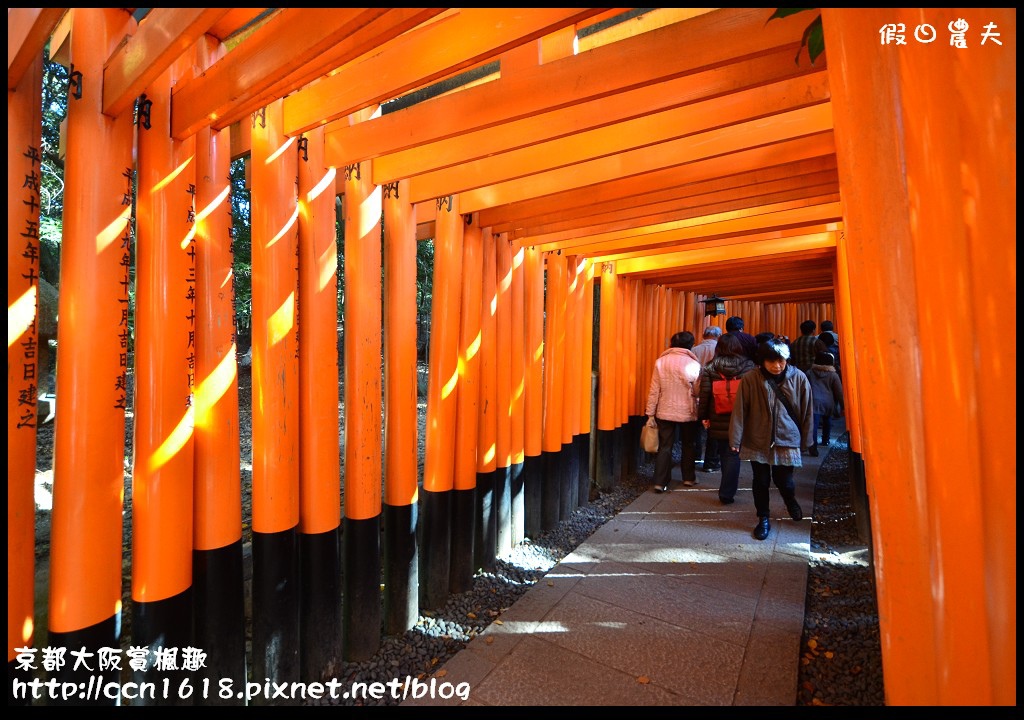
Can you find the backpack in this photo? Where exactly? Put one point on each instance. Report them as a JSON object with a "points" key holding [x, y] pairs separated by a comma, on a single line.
{"points": [[724, 393]]}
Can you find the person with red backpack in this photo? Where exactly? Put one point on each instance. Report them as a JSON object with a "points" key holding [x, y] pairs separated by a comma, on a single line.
{"points": [[719, 382]]}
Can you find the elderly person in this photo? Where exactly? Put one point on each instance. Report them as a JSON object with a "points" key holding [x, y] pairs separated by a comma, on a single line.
{"points": [[672, 402], [772, 419], [705, 349]]}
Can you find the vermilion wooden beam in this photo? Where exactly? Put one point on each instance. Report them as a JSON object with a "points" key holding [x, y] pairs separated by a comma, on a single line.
{"points": [[640, 102], [728, 252], [670, 211], [713, 39], [716, 116], [690, 196], [458, 42], [722, 239], [793, 213], [28, 30], [163, 36], [759, 134], [282, 53]]}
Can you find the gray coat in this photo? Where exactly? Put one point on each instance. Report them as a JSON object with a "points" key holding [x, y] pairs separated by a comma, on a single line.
{"points": [[759, 418]]}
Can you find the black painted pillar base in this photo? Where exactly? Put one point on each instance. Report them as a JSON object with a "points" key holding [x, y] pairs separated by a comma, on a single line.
{"points": [[401, 568], [518, 503], [632, 457], [581, 446], [435, 547], [503, 494], [551, 490], [619, 443], [320, 620], [462, 568], [570, 482], [859, 497], [362, 599], [163, 624], [485, 537], [104, 634], [218, 602], [605, 462], [275, 608], [533, 481]]}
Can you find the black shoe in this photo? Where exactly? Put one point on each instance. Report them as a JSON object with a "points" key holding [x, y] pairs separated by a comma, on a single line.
{"points": [[795, 511], [813, 451], [726, 501], [711, 468], [762, 529], [661, 488]]}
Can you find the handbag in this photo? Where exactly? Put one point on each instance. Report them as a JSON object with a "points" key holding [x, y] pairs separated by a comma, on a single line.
{"points": [[649, 436]]}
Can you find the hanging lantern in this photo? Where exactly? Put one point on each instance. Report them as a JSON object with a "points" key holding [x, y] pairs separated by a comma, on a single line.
{"points": [[714, 305]]}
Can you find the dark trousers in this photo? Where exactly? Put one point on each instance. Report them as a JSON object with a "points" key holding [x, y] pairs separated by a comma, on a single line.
{"points": [[730, 471], [712, 451], [764, 476], [823, 421], [666, 439]]}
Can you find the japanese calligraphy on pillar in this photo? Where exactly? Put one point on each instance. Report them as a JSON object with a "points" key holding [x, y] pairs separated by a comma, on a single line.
{"points": [[121, 381], [28, 391], [190, 295]]}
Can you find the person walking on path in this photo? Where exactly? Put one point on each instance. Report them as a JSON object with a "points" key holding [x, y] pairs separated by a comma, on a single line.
{"points": [[803, 347], [734, 326], [672, 402], [771, 421], [827, 391], [705, 351], [729, 362]]}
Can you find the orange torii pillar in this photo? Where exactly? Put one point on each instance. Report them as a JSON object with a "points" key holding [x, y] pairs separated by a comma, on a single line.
{"points": [[554, 376], [607, 421], [86, 543], [503, 346], [929, 210], [485, 536], [851, 397], [619, 462], [363, 208], [401, 429], [463, 506], [165, 332], [275, 402], [633, 422], [533, 388], [218, 597], [517, 360], [320, 618], [569, 480], [24, 138], [584, 373], [442, 406]]}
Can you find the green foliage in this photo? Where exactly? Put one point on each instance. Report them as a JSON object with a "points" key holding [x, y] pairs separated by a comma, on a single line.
{"points": [[814, 35], [241, 247]]}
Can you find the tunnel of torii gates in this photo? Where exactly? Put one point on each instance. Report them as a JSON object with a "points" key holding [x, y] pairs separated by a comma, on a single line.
{"points": [[911, 254]]}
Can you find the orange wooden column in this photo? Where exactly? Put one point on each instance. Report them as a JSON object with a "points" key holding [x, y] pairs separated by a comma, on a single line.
{"points": [[320, 618], [485, 538], [606, 382], [503, 346], [363, 208], [24, 371], [533, 388], [275, 401], [442, 405], [217, 561], [92, 355], [929, 234], [517, 360], [401, 429], [585, 375], [554, 376], [569, 497], [468, 414]]}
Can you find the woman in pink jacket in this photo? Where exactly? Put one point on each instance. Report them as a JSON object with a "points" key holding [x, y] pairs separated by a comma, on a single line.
{"points": [[672, 401]]}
